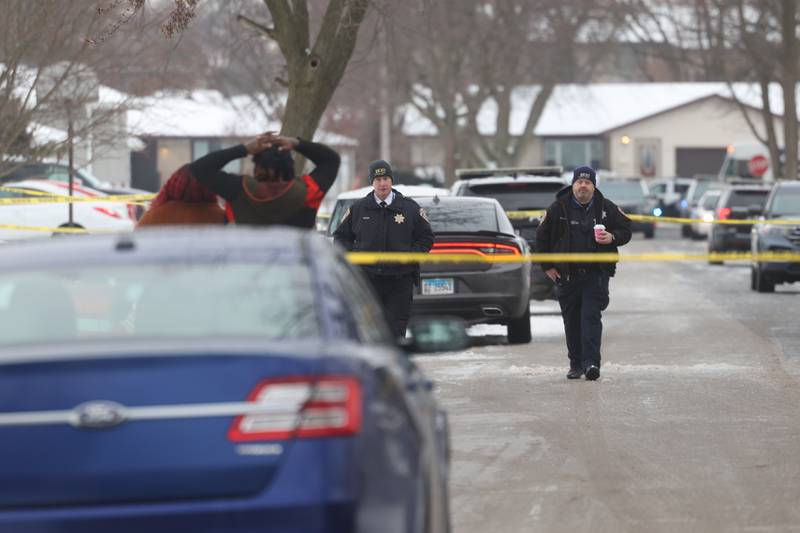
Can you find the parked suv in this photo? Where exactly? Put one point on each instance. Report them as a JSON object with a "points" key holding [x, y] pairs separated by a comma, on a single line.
{"points": [[479, 292], [703, 214], [630, 195], [518, 189], [783, 203], [689, 203], [668, 193], [736, 202]]}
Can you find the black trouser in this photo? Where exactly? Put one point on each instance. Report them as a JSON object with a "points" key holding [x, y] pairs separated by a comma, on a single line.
{"points": [[583, 295], [395, 294]]}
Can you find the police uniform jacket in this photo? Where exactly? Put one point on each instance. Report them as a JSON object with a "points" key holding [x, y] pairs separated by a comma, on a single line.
{"points": [[401, 226], [554, 234]]}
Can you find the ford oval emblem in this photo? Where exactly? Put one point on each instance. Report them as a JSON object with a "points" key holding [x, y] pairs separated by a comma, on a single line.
{"points": [[99, 414]]}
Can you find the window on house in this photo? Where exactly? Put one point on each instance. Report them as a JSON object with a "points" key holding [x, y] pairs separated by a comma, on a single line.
{"points": [[201, 147], [571, 153]]}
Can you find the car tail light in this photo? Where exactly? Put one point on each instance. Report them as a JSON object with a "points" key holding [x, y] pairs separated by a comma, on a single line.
{"points": [[302, 407], [132, 212], [724, 213], [477, 248], [109, 212]]}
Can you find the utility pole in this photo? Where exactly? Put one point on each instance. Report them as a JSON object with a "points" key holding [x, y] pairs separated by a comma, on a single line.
{"points": [[71, 156]]}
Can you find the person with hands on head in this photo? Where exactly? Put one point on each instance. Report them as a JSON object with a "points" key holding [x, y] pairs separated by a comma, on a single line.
{"points": [[272, 194], [582, 220], [387, 221]]}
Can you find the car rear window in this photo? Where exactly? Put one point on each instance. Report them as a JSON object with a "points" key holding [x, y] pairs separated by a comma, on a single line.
{"points": [[273, 301], [339, 210], [710, 200], [786, 201], [747, 198], [623, 192], [518, 196], [461, 216]]}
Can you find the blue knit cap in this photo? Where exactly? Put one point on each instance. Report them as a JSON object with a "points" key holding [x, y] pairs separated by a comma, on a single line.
{"points": [[586, 173]]}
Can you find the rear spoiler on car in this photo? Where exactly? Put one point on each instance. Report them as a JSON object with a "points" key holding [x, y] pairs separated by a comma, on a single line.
{"points": [[514, 172]]}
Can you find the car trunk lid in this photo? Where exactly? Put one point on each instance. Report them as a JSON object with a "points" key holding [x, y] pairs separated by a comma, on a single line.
{"points": [[134, 429]]}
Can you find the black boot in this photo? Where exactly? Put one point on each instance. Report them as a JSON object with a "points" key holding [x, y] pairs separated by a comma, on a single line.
{"points": [[592, 372], [574, 373]]}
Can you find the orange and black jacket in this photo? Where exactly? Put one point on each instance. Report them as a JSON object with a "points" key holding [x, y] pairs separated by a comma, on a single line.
{"points": [[208, 171]]}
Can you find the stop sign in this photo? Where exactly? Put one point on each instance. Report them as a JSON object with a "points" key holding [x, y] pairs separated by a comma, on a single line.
{"points": [[758, 165]]}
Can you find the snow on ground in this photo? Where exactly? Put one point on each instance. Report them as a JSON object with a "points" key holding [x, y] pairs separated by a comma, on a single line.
{"points": [[545, 322]]}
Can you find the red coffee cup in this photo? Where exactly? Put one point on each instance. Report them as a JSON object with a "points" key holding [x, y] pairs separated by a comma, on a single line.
{"points": [[598, 231]]}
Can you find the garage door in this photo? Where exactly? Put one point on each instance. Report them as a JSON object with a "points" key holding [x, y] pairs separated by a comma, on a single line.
{"points": [[691, 162]]}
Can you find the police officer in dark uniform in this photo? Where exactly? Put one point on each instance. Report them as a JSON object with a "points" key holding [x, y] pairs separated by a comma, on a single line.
{"points": [[582, 220], [386, 221]]}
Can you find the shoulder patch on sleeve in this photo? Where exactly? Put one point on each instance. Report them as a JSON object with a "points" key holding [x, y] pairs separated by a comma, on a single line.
{"points": [[424, 215]]}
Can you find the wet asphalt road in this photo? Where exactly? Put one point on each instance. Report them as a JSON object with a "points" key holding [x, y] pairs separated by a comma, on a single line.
{"points": [[694, 424]]}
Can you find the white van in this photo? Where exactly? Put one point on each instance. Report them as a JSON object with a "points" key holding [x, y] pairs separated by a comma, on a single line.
{"points": [[747, 161]]}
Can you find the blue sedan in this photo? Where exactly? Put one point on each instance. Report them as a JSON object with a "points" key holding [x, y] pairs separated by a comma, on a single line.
{"points": [[218, 380]]}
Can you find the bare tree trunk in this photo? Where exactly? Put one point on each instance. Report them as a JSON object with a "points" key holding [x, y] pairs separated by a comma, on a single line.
{"points": [[769, 126], [502, 135], [450, 159], [789, 84], [314, 73], [533, 119]]}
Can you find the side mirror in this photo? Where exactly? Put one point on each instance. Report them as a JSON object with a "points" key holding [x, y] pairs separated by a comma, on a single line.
{"points": [[436, 334]]}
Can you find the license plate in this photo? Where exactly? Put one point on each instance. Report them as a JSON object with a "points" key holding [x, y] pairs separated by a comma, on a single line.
{"points": [[438, 286]]}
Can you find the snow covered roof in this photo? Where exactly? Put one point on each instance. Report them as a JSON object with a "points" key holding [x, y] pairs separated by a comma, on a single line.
{"points": [[597, 108], [43, 134], [207, 114]]}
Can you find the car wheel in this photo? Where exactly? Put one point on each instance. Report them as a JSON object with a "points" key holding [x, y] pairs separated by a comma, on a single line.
{"points": [[753, 275], [686, 231], [519, 329], [649, 233], [762, 283], [67, 225]]}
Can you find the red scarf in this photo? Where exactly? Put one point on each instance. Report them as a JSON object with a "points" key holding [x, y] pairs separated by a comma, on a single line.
{"points": [[183, 187]]}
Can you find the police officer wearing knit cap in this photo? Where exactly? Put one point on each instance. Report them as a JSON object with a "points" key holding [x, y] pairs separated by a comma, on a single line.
{"points": [[568, 226], [386, 221]]}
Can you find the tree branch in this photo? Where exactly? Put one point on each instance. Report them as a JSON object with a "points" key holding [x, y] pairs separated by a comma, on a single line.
{"points": [[252, 24]]}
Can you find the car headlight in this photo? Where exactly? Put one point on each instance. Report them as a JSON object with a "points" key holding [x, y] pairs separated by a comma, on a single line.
{"points": [[774, 229], [708, 217]]}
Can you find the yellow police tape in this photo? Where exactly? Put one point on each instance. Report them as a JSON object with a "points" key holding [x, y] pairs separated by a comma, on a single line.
{"points": [[52, 199], [28, 192], [371, 258], [674, 220], [141, 199], [530, 215], [47, 229]]}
